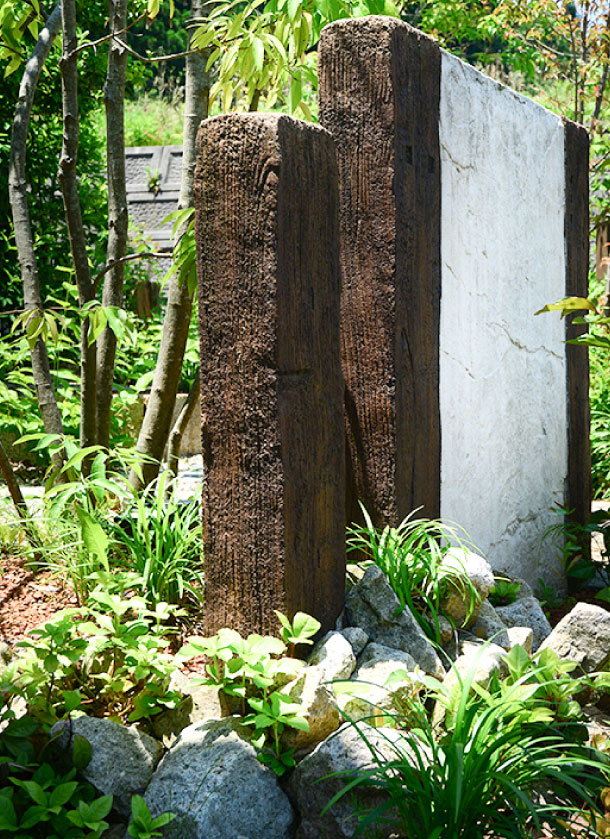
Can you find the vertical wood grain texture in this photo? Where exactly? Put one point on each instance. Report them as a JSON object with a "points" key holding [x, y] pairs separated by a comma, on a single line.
{"points": [[272, 410], [379, 97], [579, 489]]}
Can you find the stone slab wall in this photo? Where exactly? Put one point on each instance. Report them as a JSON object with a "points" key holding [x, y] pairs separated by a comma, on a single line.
{"points": [[502, 371]]}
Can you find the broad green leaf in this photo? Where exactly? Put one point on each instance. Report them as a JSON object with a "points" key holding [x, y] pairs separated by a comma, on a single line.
{"points": [[62, 794], [93, 535], [568, 304], [81, 752]]}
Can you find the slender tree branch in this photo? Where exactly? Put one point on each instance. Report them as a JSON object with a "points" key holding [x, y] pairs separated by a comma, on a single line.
{"points": [[129, 258], [109, 37], [24, 237], [21, 507], [157, 419], [177, 432], [156, 59], [76, 232], [112, 294]]}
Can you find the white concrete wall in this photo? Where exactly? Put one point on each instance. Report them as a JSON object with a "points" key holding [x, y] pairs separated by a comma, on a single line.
{"points": [[503, 371]]}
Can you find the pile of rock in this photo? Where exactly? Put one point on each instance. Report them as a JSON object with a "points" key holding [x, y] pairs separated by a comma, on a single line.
{"points": [[202, 766]]}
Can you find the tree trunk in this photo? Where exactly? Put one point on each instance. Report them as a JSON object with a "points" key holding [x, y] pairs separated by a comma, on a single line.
{"points": [[76, 233], [6, 470], [24, 239], [177, 433], [157, 419], [114, 98]]}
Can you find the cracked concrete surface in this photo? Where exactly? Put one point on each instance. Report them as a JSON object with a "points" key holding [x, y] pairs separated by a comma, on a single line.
{"points": [[503, 371]]}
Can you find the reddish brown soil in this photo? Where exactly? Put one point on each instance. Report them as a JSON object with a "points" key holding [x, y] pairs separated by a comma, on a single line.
{"points": [[28, 597]]}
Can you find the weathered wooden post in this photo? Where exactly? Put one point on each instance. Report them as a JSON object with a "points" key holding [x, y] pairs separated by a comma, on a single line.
{"points": [[379, 97], [272, 387]]}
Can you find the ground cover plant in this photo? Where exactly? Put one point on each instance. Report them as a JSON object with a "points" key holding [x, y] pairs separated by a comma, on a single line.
{"points": [[413, 558], [508, 760], [247, 669]]}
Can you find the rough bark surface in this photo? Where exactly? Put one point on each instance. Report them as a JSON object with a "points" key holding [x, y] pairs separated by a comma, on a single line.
{"points": [[272, 410], [157, 419], [112, 295], [379, 97], [24, 238], [577, 285]]}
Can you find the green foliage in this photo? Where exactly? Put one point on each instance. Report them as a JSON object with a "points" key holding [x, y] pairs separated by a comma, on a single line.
{"points": [[160, 541], [264, 47], [142, 824], [573, 542], [43, 149], [482, 774], [246, 669], [504, 592], [40, 795], [109, 657], [411, 556]]}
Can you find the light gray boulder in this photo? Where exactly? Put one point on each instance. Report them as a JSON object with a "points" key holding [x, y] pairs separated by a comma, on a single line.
{"points": [[521, 636], [200, 702], [583, 636], [122, 759], [334, 656], [478, 661], [213, 782], [357, 638], [314, 693], [527, 611], [478, 571], [490, 627], [315, 780], [375, 693], [373, 606]]}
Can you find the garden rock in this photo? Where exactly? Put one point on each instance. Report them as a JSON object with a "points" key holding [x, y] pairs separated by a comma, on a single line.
{"points": [[482, 659], [311, 690], [583, 636], [334, 655], [314, 782], [373, 606], [357, 638], [527, 612], [456, 603], [521, 636], [122, 759], [525, 589], [478, 661], [199, 703], [369, 693], [490, 627], [212, 781]]}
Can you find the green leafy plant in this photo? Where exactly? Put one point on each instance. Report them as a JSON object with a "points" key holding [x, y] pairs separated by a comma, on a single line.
{"points": [[504, 592], [109, 658], [412, 558], [573, 542], [481, 776], [246, 669], [40, 795], [160, 541], [142, 824]]}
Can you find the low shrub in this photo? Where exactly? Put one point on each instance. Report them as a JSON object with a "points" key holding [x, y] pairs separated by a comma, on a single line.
{"points": [[503, 765]]}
